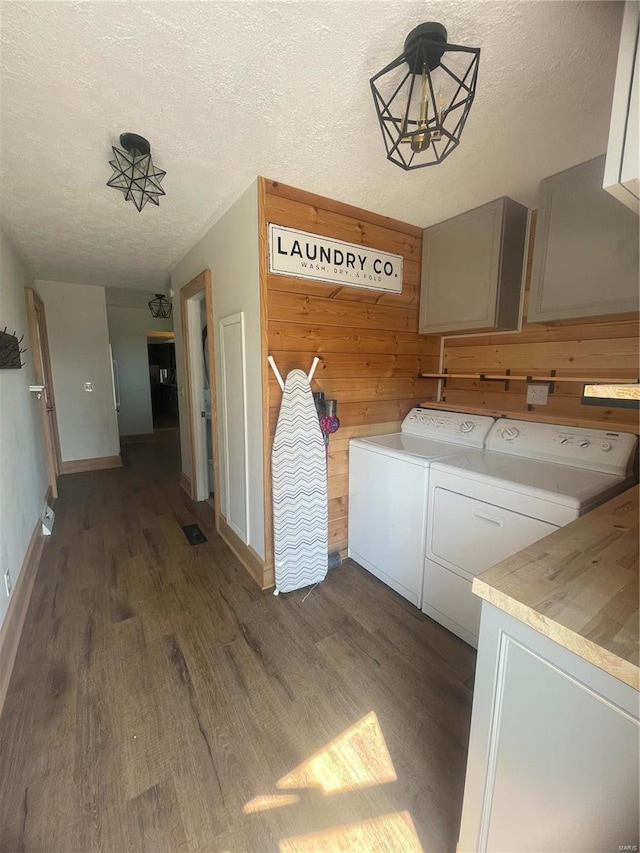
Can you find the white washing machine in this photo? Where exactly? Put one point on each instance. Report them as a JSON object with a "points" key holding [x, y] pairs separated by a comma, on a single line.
{"points": [[486, 505], [388, 492]]}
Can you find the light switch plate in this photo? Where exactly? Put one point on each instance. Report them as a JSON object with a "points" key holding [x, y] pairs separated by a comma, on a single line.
{"points": [[537, 395]]}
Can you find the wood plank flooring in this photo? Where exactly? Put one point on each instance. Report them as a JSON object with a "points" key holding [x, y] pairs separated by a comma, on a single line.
{"points": [[161, 702]]}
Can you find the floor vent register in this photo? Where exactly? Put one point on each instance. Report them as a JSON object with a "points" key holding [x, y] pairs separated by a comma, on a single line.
{"points": [[194, 535]]}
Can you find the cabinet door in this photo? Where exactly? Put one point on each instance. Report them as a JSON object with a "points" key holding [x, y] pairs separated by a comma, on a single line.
{"points": [[460, 271], [553, 751], [585, 260], [623, 150]]}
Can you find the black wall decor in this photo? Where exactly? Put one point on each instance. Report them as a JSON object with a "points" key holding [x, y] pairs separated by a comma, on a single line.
{"points": [[10, 350]]}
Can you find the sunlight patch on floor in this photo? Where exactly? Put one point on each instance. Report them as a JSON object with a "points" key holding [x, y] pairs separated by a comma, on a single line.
{"points": [[270, 801], [390, 833], [357, 758]]}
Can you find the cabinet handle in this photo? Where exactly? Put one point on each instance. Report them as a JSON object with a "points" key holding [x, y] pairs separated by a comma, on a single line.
{"points": [[496, 522]]}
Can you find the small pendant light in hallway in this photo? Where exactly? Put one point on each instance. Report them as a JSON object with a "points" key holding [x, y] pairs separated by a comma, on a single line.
{"points": [[160, 307]]}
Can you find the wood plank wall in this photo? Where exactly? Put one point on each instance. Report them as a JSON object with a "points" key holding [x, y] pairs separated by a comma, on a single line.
{"points": [[591, 349], [368, 341]]}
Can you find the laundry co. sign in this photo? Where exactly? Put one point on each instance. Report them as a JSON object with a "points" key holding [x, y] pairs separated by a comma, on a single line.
{"points": [[304, 255]]}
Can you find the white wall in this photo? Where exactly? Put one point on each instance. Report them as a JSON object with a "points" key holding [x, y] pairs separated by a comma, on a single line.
{"points": [[128, 329], [230, 251], [79, 349], [23, 477]]}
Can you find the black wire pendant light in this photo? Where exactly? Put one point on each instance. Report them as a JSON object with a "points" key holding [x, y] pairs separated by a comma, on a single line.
{"points": [[134, 173], [160, 307], [424, 96]]}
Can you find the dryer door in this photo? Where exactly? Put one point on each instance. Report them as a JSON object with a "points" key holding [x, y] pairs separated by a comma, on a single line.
{"points": [[468, 535]]}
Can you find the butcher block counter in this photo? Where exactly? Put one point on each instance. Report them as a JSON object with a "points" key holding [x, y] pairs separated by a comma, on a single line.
{"points": [[579, 586], [555, 728]]}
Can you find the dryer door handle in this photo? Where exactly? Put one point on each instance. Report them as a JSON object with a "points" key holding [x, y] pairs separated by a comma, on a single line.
{"points": [[496, 522]]}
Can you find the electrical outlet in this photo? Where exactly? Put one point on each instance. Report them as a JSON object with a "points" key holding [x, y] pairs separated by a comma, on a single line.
{"points": [[7, 582], [537, 395]]}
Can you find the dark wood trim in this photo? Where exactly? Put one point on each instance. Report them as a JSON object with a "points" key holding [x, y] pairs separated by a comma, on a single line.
{"points": [[11, 629], [100, 463]]}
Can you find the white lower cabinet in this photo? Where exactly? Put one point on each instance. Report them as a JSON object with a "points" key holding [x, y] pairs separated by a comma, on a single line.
{"points": [[553, 753], [451, 602]]}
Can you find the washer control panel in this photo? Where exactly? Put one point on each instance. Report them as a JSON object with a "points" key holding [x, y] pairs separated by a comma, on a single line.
{"points": [[454, 427], [598, 450]]}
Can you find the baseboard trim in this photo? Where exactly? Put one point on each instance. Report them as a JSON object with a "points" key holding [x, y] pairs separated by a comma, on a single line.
{"points": [[48, 498], [185, 483], [11, 629], [250, 560], [137, 438], [100, 463]]}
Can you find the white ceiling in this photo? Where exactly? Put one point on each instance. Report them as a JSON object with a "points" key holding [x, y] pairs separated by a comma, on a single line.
{"points": [[225, 91]]}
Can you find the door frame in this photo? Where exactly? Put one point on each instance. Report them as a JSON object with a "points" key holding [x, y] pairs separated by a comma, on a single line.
{"points": [[37, 323], [190, 295]]}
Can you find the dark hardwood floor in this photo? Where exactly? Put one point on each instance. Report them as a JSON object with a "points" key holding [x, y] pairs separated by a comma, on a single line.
{"points": [[161, 702]]}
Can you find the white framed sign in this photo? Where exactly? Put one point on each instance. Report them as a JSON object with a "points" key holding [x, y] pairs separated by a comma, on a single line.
{"points": [[305, 255]]}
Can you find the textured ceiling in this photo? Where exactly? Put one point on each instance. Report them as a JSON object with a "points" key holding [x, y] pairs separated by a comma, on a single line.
{"points": [[225, 91]]}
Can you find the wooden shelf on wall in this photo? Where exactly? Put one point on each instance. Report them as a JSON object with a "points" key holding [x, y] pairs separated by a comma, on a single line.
{"points": [[584, 423], [507, 377]]}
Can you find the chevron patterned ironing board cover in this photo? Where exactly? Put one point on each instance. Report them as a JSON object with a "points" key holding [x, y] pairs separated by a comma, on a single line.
{"points": [[299, 472]]}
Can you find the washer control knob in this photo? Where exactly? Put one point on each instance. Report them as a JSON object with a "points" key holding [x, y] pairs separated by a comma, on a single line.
{"points": [[467, 426], [584, 443], [510, 433], [606, 446]]}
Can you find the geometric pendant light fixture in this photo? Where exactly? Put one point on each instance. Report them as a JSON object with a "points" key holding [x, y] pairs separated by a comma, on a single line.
{"points": [[160, 307], [424, 96], [134, 173]]}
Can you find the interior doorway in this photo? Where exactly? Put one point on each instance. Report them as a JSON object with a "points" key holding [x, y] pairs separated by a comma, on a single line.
{"points": [[161, 353], [199, 365], [44, 381]]}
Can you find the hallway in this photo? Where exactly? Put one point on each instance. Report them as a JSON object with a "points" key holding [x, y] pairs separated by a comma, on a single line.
{"points": [[161, 702]]}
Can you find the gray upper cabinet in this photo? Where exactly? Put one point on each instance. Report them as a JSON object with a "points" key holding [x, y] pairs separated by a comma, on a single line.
{"points": [[472, 270], [585, 259], [623, 150]]}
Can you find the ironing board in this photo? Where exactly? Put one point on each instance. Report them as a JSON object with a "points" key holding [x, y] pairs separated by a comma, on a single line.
{"points": [[299, 473]]}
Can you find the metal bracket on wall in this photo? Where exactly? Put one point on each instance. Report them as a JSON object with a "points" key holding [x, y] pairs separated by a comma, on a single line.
{"points": [[552, 385]]}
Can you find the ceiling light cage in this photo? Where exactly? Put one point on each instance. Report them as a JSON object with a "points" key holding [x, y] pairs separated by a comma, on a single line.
{"points": [[134, 172], [160, 307], [424, 96]]}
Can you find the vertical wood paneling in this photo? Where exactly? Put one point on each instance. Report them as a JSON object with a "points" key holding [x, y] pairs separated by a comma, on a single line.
{"points": [[608, 348], [368, 340]]}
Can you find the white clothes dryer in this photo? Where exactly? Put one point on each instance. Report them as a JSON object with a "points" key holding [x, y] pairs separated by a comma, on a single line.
{"points": [[486, 505]]}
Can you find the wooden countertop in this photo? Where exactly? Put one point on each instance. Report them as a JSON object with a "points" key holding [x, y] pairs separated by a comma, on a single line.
{"points": [[579, 586]]}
